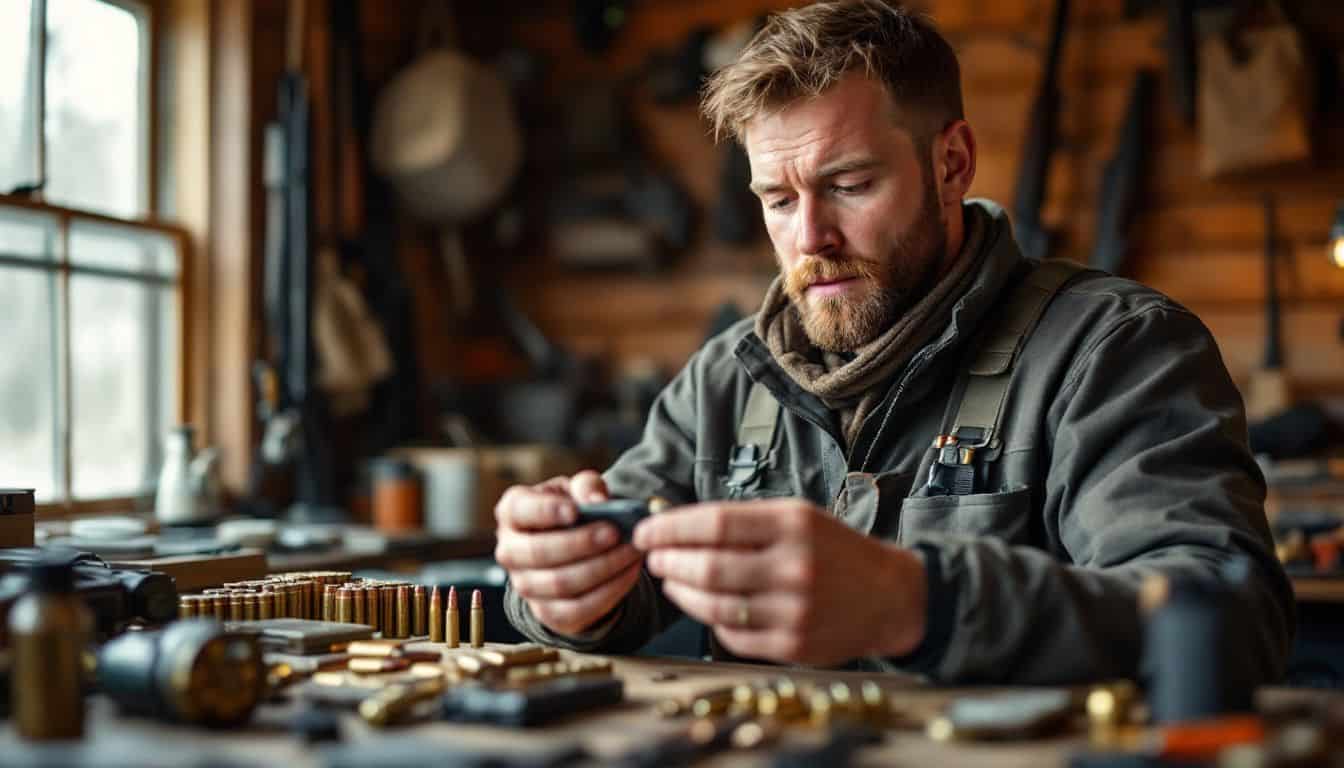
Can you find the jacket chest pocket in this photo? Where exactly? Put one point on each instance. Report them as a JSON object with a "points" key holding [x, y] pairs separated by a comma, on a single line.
{"points": [[871, 503], [1005, 516]]}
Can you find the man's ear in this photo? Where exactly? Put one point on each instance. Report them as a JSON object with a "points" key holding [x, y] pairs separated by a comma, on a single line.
{"points": [[954, 161]]}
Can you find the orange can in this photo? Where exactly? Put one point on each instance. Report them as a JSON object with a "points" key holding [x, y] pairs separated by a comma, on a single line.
{"points": [[398, 496]]}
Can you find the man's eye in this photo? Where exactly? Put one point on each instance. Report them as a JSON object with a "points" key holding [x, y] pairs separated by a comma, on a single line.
{"points": [[852, 189], [780, 204]]}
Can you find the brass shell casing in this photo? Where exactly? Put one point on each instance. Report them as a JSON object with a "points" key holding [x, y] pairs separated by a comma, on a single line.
{"points": [[278, 602], [394, 701], [419, 607], [236, 610], [744, 699], [343, 607], [375, 648], [357, 606], [403, 611], [477, 620], [714, 702], [373, 611], [265, 605], [435, 617], [387, 598], [477, 627], [519, 655], [328, 602], [876, 707], [369, 665], [186, 607], [250, 606], [453, 617]]}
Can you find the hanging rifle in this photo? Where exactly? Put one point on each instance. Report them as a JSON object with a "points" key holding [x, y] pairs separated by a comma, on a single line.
{"points": [[1123, 176], [1181, 52], [1040, 142], [1268, 392], [288, 400]]}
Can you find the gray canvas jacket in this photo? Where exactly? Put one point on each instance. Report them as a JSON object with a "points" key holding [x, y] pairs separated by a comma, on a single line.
{"points": [[1124, 454]]}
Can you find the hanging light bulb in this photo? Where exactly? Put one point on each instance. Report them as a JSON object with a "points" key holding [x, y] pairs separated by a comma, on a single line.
{"points": [[1337, 238]]}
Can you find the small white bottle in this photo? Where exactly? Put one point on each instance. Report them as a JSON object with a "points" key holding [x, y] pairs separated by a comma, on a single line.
{"points": [[174, 502]]}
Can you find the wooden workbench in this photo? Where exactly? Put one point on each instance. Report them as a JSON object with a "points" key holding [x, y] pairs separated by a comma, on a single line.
{"points": [[116, 740], [1318, 589]]}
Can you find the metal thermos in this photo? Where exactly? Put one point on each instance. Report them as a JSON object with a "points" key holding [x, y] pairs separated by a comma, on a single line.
{"points": [[48, 629]]}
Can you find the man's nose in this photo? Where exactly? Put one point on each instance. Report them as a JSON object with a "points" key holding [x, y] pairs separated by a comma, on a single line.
{"points": [[816, 234]]}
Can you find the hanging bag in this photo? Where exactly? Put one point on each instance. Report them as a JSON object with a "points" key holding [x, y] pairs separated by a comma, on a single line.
{"points": [[1254, 99]]}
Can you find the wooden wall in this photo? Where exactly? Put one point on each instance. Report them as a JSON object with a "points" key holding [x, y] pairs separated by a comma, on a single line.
{"points": [[1197, 240]]}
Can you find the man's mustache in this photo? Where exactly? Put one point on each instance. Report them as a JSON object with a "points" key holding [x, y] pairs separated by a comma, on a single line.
{"points": [[813, 270]]}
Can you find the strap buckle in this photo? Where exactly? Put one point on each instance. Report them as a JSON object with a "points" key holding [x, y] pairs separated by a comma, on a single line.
{"points": [[744, 465]]}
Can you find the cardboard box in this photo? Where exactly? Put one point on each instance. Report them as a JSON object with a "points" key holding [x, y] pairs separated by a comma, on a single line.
{"points": [[17, 509], [462, 485]]}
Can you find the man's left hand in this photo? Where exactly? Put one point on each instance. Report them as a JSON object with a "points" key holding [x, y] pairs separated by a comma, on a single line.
{"points": [[781, 579]]}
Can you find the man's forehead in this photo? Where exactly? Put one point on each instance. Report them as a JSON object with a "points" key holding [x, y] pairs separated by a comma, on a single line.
{"points": [[815, 144]]}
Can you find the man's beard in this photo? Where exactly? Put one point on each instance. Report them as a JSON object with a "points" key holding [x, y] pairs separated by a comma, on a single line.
{"points": [[890, 286]]}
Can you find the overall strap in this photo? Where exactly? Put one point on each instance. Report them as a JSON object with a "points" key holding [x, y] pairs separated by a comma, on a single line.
{"points": [[755, 434], [975, 428]]}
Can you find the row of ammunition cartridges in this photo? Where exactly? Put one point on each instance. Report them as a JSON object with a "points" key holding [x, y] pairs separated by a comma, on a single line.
{"points": [[396, 610], [783, 700], [508, 665], [400, 678], [281, 596]]}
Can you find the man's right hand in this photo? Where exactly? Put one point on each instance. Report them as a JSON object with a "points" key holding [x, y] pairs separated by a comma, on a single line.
{"points": [[570, 577]]}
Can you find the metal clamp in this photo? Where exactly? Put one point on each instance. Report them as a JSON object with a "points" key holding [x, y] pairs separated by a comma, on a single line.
{"points": [[744, 466]]}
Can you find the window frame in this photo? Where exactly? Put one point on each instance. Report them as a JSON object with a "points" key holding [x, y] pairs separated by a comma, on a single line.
{"points": [[148, 13]]}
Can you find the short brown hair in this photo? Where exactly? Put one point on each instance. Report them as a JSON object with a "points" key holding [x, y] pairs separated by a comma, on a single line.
{"points": [[804, 51]]}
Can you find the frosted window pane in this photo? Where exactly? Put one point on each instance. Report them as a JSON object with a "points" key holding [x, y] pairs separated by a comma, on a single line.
{"points": [[18, 96], [95, 118], [28, 381], [111, 386]]}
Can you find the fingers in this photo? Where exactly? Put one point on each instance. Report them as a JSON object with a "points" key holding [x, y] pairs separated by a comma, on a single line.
{"points": [[731, 524], [771, 610], [557, 485], [549, 549], [588, 486], [574, 579], [715, 570], [536, 508], [769, 644], [568, 616]]}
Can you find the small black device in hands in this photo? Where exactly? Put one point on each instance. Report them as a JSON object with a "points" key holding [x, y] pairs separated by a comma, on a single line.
{"points": [[625, 514]]}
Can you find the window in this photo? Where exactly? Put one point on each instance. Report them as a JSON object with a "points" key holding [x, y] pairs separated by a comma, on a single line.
{"points": [[90, 371]]}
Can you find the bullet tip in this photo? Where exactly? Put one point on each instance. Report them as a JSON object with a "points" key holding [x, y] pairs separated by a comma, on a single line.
{"points": [[475, 598], [452, 597]]}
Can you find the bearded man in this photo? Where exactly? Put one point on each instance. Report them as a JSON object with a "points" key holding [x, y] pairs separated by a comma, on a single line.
{"points": [[925, 452]]}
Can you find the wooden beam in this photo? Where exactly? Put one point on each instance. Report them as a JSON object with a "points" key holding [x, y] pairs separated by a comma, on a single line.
{"points": [[185, 54], [232, 154]]}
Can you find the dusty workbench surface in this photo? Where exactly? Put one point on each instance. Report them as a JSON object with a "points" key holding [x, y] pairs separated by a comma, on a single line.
{"points": [[112, 739]]}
